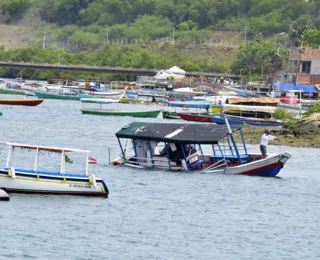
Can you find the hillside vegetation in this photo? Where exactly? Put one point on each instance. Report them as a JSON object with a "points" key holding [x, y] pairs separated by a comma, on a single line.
{"points": [[158, 33]]}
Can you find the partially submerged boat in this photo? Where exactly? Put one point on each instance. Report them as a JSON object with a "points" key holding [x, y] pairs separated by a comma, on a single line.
{"points": [[118, 110], [34, 180], [183, 147]]}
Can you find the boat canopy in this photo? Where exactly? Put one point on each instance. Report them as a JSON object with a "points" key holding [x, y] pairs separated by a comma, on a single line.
{"points": [[265, 109], [254, 101], [296, 87], [176, 133], [44, 148]]}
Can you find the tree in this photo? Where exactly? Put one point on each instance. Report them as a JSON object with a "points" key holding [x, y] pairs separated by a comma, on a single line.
{"points": [[311, 38], [259, 58]]}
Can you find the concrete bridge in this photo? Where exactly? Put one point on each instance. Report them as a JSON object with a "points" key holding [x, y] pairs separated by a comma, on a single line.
{"points": [[98, 69]]}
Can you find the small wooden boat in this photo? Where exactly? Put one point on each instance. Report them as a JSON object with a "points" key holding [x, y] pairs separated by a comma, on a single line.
{"points": [[196, 118], [21, 102], [180, 147], [11, 91], [33, 180], [115, 111], [49, 95], [235, 120]]}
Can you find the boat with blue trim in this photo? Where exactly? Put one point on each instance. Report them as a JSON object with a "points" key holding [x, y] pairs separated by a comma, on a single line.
{"points": [[187, 147], [35, 180], [239, 120]]}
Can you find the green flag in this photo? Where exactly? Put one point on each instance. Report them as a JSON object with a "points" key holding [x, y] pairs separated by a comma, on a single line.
{"points": [[68, 159]]}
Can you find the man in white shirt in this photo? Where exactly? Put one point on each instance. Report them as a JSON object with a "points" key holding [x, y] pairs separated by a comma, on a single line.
{"points": [[265, 138]]}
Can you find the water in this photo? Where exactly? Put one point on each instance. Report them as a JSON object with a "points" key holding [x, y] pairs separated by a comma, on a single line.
{"points": [[156, 214]]}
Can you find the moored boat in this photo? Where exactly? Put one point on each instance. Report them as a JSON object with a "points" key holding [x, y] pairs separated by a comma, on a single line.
{"points": [[182, 146], [120, 110], [49, 95], [237, 120], [21, 102], [195, 117], [33, 180]]}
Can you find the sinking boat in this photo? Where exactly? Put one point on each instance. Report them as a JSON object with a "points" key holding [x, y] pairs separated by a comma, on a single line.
{"points": [[183, 146]]}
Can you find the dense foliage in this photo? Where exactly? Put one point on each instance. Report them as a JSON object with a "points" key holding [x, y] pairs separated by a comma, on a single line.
{"points": [[110, 55], [115, 26], [151, 19], [260, 57]]}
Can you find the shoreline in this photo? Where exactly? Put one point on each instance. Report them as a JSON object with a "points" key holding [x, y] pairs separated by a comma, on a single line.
{"points": [[285, 137]]}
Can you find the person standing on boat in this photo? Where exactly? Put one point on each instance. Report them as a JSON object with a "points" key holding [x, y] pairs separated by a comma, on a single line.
{"points": [[265, 138]]}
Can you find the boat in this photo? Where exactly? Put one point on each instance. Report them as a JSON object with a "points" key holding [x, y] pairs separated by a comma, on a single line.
{"points": [[49, 95], [21, 102], [195, 117], [115, 111], [181, 147], [99, 93], [238, 120], [35, 180], [189, 104]]}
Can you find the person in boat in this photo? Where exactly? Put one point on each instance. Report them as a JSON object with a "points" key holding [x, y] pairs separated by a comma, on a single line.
{"points": [[153, 100], [265, 138]]}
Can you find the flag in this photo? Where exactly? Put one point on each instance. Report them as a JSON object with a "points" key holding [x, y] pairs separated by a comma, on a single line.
{"points": [[92, 160], [68, 159]]}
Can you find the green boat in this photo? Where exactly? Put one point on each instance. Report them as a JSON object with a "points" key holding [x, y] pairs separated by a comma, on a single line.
{"points": [[104, 112], [49, 95], [114, 111], [11, 91]]}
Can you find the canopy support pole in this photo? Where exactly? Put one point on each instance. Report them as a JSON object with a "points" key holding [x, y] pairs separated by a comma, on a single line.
{"points": [[152, 161], [37, 159], [224, 158], [244, 143], [201, 152], [135, 150], [122, 151], [214, 151], [184, 156], [9, 155], [236, 148], [168, 156], [230, 147]]}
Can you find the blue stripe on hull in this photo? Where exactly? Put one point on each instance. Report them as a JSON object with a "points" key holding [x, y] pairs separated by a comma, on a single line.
{"points": [[269, 172]]}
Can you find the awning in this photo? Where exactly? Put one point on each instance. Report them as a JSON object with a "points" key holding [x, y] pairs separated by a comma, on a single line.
{"points": [[176, 133], [296, 87], [254, 101]]}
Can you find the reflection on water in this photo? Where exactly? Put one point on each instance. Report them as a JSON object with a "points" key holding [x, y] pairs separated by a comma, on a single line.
{"points": [[155, 214]]}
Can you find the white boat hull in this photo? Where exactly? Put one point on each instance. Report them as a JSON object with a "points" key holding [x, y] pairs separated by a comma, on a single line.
{"points": [[39, 182]]}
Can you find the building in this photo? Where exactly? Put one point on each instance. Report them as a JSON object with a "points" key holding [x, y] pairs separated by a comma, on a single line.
{"points": [[305, 64]]}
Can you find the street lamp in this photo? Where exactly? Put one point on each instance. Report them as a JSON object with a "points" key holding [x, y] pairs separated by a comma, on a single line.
{"points": [[275, 38]]}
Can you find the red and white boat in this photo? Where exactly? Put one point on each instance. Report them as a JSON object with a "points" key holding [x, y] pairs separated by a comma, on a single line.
{"points": [[185, 147]]}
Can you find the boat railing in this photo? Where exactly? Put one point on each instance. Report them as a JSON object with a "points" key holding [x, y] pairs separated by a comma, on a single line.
{"points": [[152, 162], [215, 165]]}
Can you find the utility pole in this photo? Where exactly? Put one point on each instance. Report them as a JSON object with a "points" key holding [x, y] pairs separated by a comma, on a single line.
{"points": [[173, 35], [245, 36]]}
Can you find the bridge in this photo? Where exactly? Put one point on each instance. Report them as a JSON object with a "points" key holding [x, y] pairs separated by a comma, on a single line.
{"points": [[100, 69]]}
